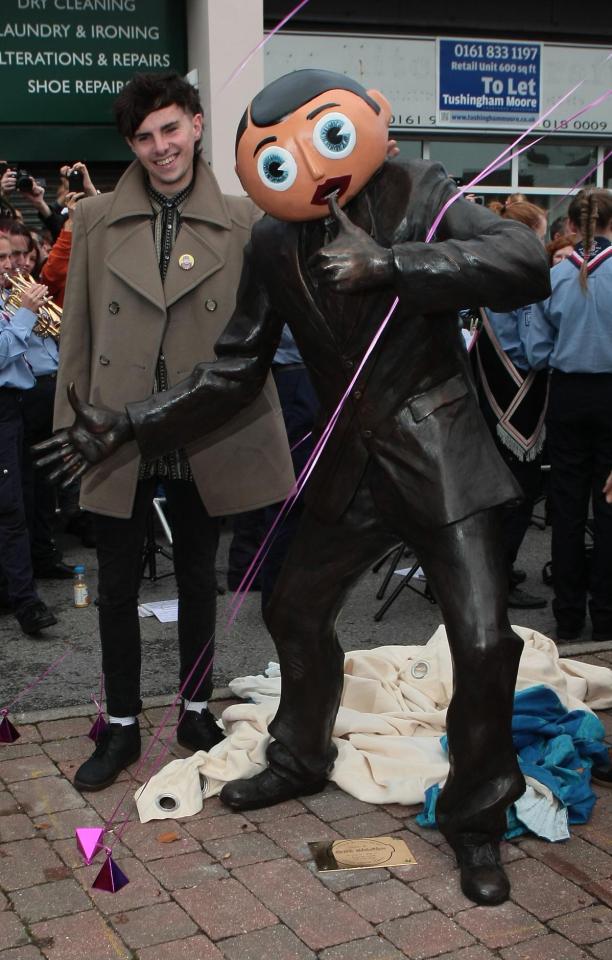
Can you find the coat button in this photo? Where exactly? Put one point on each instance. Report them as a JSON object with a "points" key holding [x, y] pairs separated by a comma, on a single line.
{"points": [[113, 308], [357, 394], [367, 434], [349, 364], [104, 360], [211, 305]]}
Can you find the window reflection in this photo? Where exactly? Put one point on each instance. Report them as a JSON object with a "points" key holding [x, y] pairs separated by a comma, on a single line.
{"points": [[410, 149], [466, 160], [556, 164]]}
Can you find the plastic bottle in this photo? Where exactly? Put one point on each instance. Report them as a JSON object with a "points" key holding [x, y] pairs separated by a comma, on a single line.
{"points": [[81, 592]]}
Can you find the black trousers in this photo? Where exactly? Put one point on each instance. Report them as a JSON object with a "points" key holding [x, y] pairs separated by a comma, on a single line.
{"points": [[466, 573], [119, 547], [39, 496], [579, 424], [15, 558]]}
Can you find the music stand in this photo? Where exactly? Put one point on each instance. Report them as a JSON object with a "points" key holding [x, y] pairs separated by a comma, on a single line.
{"points": [[405, 583], [151, 547]]}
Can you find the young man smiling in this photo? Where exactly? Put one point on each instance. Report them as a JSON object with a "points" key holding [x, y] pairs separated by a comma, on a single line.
{"points": [[153, 276]]}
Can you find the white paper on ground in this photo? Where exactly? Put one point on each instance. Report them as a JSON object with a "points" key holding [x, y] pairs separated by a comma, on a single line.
{"points": [[166, 611]]}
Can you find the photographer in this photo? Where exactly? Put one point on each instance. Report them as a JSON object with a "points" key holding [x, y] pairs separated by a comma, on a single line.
{"points": [[73, 178]]}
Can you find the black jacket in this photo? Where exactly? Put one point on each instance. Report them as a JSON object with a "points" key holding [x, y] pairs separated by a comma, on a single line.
{"points": [[414, 408]]}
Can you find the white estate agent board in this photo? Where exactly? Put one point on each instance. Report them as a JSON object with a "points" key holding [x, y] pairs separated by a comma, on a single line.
{"points": [[448, 84]]}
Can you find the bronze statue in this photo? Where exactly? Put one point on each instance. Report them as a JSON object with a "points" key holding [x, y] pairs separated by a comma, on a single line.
{"points": [[410, 457]]}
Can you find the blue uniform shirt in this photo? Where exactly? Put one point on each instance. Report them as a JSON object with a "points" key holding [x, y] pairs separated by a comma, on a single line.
{"points": [[287, 349], [507, 328], [14, 337], [571, 331], [42, 355]]}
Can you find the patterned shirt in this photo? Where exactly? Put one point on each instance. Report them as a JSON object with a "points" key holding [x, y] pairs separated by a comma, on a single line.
{"points": [[166, 223]]}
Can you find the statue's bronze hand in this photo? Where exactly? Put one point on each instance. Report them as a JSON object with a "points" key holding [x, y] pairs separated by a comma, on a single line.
{"points": [[95, 434], [353, 262]]}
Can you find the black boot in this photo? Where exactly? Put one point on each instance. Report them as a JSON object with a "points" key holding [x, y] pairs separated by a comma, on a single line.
{"points": [[483, 878], [264, 790], [116, 749], [198, 731]]}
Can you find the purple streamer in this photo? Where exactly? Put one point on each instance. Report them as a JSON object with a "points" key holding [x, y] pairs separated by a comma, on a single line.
{"points": [[581, 180], [300, 442], [156, 736], [506, 155], [500, 162], [262, 43], [39, 679]]}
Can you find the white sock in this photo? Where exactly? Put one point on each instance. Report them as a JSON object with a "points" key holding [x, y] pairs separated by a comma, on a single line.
{"points": [[124, 721], [197, 705]]}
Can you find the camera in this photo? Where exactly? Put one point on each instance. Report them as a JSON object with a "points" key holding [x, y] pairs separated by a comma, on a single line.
{"points": [[75, 181], [24, 182]]}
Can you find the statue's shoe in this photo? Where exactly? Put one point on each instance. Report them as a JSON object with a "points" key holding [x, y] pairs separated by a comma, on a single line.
{"points": [[264, 790], [483, 878]]}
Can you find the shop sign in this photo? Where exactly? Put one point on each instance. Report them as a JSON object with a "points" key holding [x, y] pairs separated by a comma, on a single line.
{"points": [[65, 61], [488, 81]]}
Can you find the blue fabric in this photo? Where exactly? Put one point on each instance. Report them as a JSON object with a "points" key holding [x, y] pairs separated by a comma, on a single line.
{"points": [[287, 349], [571, 331], [556, 746], [42, 355], [14, 335], [507, 328]]}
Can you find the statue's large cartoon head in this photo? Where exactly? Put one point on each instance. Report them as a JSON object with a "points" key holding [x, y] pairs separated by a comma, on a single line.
{"points": [[306, 135]]}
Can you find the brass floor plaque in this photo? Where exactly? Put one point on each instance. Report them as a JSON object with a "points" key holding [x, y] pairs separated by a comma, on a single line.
{"points": [[360, 854]]}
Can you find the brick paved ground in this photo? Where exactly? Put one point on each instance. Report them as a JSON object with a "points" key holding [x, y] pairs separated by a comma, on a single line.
{"points": [[221, 885]]}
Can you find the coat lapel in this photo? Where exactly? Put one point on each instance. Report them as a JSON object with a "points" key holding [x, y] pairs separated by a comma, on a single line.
{"points": [[206, 259], [132, 259], [204, 233]]}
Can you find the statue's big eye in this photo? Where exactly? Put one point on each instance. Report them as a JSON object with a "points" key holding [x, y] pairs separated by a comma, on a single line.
{"points": [[277, 168], [334, 136]]}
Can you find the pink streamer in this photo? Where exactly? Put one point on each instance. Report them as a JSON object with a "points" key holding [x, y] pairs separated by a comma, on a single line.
{"points": [[506, 155], [300, 442], [581, 180], [301, 481], [157, 735], [262, 43], [502, 158], [39, 679]]}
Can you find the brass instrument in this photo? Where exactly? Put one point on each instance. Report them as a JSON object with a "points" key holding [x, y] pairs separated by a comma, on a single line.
{"points": [[49, 314]]}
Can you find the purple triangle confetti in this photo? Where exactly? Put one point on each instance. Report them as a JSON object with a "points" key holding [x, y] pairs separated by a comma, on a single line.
{"points": [[98, 728], [110, 878], [89, 841], [8, 733]]}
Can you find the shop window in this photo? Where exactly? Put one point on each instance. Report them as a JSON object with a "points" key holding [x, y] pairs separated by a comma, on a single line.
{"points": [[556, 164], [409, 149], [607, 171], [465, 160]]}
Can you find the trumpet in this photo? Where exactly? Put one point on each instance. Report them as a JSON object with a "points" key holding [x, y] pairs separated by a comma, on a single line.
{"points": [[49, 314]]}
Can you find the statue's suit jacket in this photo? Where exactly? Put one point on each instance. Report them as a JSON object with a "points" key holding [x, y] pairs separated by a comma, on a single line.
{"points": [[118, 316], [413, 409]]}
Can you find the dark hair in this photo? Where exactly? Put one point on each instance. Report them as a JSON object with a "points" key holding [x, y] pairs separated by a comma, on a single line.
{"points": [[558, 228], [283, 96], [7, 219], [147, 92], [591, 209], [19, 229]]}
